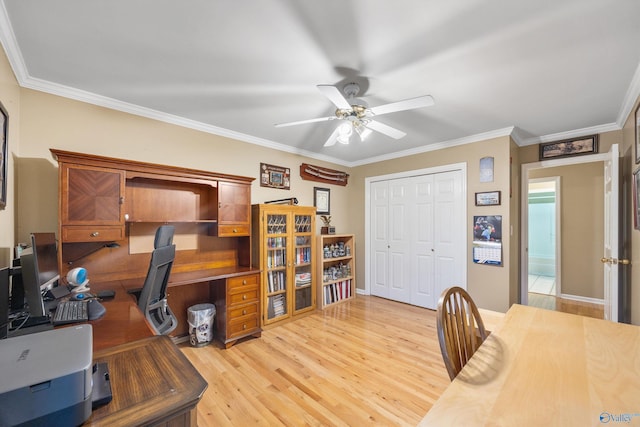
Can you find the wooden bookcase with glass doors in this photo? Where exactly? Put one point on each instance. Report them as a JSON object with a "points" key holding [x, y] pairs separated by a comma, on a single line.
{"points": [[284, 244]]}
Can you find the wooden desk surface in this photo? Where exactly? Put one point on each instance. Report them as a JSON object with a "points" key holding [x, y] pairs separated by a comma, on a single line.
{"points": [[541, 367], [123, 321], [152, 382]]}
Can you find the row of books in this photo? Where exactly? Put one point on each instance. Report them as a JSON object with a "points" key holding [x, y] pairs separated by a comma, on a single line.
{"points": [[303, 255], [276, 242], [337, 291], [276, 258], [277, 305], [276, 281]]}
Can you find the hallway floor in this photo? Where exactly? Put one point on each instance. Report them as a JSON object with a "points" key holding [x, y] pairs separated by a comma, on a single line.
{"points": [[542, 291]]}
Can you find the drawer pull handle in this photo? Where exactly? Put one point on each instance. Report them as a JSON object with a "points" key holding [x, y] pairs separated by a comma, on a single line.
{"points": [[244, 326], [244, 282], [235, 230], [95, 234], [244, 296], [244, 312]]}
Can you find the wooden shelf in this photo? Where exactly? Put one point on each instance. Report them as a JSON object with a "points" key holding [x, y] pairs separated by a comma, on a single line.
{"points": [[339, 287]]}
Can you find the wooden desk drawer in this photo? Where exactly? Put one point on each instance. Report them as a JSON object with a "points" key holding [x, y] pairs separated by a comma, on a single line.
{"points": [[242, 326], [245, 295], [235, 282], [233, 230], [234, 312], [92, 233]]}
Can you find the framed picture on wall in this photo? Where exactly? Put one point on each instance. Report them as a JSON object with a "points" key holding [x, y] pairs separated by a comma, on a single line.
{"points": [[637, 128], [4, 119], [636, 199], [569, 147], [321, 200]]}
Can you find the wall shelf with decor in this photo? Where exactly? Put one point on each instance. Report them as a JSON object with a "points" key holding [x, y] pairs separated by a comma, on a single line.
{"points": [[336, 269]]}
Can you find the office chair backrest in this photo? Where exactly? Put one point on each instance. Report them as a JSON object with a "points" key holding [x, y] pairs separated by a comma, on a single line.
{"points": [[153, 297], [460, 329], [4, 302]]}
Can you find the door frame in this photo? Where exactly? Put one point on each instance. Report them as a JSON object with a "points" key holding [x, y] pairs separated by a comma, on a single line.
{"points": [[558, 225], [524, 214], [462, 167]]}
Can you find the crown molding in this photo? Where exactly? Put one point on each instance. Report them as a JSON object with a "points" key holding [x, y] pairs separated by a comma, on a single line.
{"points": [[437, 146], [576, 133], [632, 95]]}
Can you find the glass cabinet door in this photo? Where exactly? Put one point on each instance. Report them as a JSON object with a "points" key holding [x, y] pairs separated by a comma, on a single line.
{"points": [[303, 263], [276, 270]]}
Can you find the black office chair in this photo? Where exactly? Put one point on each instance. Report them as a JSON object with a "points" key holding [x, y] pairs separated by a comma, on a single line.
{"points": [[152, 297]]}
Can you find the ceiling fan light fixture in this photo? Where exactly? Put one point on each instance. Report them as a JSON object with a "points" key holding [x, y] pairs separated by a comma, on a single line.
{"points": [[362, 131], [345, 131]]}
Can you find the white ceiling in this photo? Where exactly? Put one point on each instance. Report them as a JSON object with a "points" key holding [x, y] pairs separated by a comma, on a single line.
{"points": [[540, 70]]}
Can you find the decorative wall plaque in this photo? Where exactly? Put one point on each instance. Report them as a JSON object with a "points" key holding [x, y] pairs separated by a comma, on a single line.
{"points": [[320, 174]]}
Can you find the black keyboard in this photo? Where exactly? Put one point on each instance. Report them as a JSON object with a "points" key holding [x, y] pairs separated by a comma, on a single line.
{"points": [[71, 312]]}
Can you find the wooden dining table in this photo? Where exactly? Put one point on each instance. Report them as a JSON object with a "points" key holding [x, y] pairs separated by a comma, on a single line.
{"points": [[546, 368]]}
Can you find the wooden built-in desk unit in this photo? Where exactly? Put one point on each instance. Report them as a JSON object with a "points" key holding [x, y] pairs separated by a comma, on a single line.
{"points": [[540, 367], [109, 210]]}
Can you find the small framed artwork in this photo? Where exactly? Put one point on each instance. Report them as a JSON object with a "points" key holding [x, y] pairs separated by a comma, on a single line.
{"points": [[488, 198], [637, 127], [321, 200], [636, 199], [4, 120], [569, 147], [274, 176]]}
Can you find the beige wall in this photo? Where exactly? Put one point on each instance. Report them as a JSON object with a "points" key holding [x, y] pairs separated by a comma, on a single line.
{"points": [[582, 230], [488, 285], [10, 98]]}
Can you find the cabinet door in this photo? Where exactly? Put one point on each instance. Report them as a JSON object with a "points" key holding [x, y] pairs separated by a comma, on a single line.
{"points": [[91, 195], [303, 294], [276, 266], [234, 209]]}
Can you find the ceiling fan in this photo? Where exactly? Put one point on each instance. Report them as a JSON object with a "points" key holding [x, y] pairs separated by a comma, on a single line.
{"points": [[357, 115]]}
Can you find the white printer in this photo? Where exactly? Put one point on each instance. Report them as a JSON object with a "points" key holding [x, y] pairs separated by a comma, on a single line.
{"points": [[46, 377]]}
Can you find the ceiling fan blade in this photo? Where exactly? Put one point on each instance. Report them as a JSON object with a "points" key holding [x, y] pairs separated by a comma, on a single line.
{"points": [[385, 129], [335, 96], [301, 122], [332, 138], [407, 104]]}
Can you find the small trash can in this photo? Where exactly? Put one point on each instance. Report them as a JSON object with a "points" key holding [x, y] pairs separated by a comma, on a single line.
{"points": [[200, 317]]}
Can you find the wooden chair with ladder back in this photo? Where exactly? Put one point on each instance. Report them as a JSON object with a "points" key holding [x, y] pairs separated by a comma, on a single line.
{"points": [[460, 328]]}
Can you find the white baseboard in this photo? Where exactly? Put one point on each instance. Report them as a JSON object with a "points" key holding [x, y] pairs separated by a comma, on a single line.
{"points": [[582, 299]]}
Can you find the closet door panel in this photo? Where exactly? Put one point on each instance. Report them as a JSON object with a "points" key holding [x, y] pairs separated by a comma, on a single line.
{"points": [[401, 196], [422, 248], [379, 234]]}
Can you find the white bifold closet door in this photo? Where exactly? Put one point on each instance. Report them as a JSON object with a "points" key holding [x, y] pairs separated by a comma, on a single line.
{"points": [[417, 237]]}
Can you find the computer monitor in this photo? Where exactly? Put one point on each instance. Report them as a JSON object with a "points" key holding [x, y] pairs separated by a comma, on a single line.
{"points": [[39, 270]]}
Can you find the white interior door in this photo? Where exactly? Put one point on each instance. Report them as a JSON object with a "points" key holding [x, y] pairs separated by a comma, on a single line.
{"points": [[401, 203], [449, 233], [379, 238], [423, 292], [417, 237], [610, 257]]}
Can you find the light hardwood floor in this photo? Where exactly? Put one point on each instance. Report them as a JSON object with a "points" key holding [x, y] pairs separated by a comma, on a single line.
{"points": [[366, 361], [551, 302]]}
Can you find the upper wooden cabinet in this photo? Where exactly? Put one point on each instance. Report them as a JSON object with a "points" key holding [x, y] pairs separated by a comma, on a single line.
{"points": [[234, 209], [99, 195], [91, 203]]}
